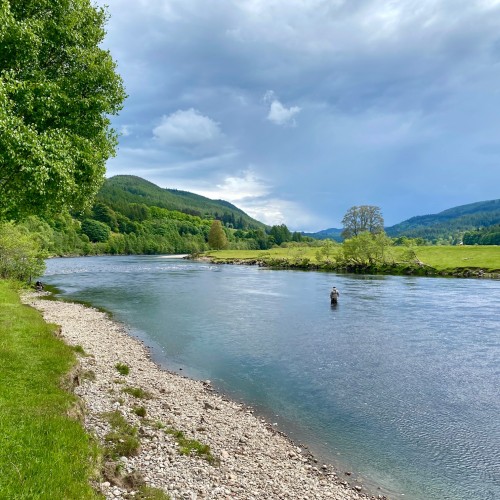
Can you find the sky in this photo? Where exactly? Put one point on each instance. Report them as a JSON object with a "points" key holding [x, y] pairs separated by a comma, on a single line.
{"points": [[297, 110]]}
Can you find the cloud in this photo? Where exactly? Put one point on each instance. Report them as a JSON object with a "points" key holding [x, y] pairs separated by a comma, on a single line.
{"points": [[390, 97], [279, 114], [254, 195], [187, 128], [235, 188], [273, 211]]}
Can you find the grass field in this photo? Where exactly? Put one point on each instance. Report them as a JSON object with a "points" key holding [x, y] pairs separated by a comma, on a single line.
{"points": [[441, 258], [44, 454], [457, 257]]}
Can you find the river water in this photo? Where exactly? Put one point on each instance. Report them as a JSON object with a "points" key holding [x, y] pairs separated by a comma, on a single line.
{"points": [[399, 383]]}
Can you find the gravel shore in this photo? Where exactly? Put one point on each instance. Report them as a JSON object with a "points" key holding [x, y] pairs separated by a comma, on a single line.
{"points": [[250, 459]]}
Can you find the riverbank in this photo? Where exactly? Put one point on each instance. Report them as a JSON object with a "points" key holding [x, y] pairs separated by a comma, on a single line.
{"points": [[442, 261], [234, 454]]}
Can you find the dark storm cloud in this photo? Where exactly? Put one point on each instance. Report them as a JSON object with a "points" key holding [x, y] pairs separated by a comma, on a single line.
{"points": [[312, 106]]}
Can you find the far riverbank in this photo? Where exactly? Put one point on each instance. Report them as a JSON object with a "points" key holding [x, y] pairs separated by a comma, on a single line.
{"points": [[443, 261]]}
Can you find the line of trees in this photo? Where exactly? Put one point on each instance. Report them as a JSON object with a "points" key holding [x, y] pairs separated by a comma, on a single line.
{"points": [[485, 236]]}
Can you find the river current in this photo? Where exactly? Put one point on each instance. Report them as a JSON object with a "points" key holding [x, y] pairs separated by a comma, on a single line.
{"points": [[398, 383]]}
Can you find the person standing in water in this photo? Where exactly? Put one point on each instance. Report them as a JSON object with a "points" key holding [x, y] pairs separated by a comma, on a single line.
{"points": [[334, 296]]}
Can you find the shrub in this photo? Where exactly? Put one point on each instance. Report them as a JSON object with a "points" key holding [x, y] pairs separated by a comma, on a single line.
{"points": [[21, 257]]}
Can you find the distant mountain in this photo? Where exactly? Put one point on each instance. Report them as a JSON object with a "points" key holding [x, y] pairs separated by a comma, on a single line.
{"points": [[333, 234], [122, 190], [451, 223], [448, 225]]}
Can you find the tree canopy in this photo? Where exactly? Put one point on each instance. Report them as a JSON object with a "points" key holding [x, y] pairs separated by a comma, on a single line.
{"points": [[366, 249], [57, 90], [217, 237], [357, 220]]}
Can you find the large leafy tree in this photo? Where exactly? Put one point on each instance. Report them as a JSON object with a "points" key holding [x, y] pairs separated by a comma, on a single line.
{"points": [[365, 218], [57, 90]]}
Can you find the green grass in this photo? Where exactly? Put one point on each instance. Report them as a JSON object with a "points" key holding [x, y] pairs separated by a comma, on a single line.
{"points": [[122, 440], [275, 253], [137, 392], [122, 368], [43, 453], [441, 258], [460, 257], [79, 350], [192, 446], [140, 411], [149, 493]]}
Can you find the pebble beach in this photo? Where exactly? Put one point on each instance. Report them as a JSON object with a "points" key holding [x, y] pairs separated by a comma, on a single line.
{"points": [[249, 458]]}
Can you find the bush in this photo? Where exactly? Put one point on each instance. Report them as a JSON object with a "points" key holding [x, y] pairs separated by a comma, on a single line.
{"points": [[21, 257]]}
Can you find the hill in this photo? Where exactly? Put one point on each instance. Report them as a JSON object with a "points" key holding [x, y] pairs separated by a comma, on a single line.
{"points": [[450, 224], [122, 190], [133, 216], [332, 233]]}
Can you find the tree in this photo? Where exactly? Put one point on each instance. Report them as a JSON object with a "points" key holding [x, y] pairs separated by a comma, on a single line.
{"points": [[363, 218], [216, 236], [21, 257], [57, 90], [366, 249], [98, 232], [280, 234], [103, 213]]}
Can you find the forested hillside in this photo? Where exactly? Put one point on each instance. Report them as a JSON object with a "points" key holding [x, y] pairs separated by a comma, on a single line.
{"points": [[332, 233], [450, 225], [120, 191], [133, 216]]}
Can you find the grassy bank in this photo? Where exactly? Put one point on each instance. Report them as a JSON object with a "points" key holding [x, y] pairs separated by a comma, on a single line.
{"points": [[440, 260], [44, 453]]}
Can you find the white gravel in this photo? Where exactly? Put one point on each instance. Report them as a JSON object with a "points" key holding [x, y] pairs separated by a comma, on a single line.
{"points": [[255, 461]]}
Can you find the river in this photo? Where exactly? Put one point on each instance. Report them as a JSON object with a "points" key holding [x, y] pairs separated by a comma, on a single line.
{"points": [[398, 383]]}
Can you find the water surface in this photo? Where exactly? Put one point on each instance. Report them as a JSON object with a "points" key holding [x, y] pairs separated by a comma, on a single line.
{"points": [[399, 382]]}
